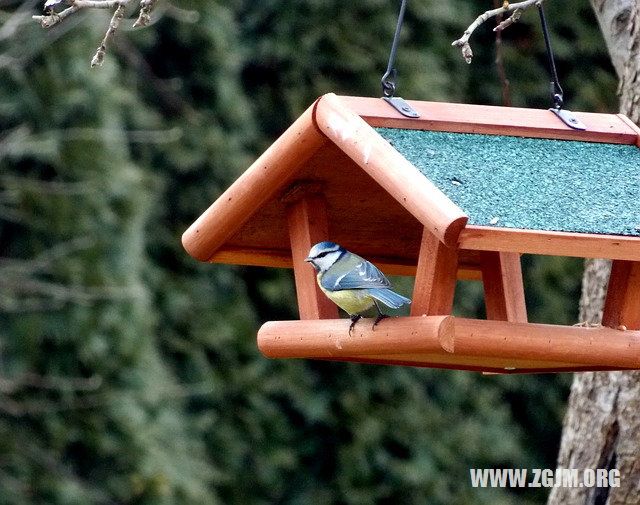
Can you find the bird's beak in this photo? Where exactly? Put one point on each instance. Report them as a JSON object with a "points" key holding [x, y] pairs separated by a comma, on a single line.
{"points": [[308, 260]]}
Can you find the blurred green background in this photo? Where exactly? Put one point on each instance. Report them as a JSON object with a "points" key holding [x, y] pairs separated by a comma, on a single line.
{"points": [[129, 372]]}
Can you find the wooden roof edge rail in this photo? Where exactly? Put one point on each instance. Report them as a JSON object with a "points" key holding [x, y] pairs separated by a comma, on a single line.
{"points": [[626, 120], [554, 243], [390, 169], [267, 175], [493, 120], [330, 337], [597, 346]]}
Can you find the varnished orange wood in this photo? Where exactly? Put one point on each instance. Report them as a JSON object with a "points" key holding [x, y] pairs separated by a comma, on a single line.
{"points": [[307, 220], [282, 259], [582, 245], [435, 277], [253, 256], [568, 369], [503, 365], [553, 368], [269, 173], [503, 287], [331, 338], [622, 306], [390, 169], [631, 125], [491, 120], [494, 346], [250, 206], [601, 346]]}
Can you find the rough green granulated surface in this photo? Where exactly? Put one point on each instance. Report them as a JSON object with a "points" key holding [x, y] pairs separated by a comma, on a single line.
{"points": [[537, 184]]}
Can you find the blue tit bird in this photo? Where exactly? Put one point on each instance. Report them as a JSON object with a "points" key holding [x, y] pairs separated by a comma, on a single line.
{"points": [[351, 282]]}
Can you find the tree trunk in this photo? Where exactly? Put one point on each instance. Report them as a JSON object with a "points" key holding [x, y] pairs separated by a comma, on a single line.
{"points": [[602, 424]]}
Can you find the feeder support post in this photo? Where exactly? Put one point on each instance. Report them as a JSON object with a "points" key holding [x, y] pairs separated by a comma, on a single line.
{"points": [[622, 305], [503, 288], [308, 225], [436, 277]]}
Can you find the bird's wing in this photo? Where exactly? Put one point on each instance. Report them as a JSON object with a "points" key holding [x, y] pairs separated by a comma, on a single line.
{"points": [[388, 297], [360, 275]]}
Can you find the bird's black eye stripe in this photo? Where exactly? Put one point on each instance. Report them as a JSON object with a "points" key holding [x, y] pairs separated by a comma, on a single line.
{"points": [[324, 253]]}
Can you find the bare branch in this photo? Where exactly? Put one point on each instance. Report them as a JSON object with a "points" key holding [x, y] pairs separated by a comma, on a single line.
{"points": [[98, 58], [509, 21], [146, 8], [100, 4], [504, 81], [53, 17], [463, 42]]}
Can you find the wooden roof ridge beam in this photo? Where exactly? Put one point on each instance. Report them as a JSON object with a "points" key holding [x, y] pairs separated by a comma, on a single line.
{"points": [[270, 173], [328, 338], [600, 346], [390, 169]]}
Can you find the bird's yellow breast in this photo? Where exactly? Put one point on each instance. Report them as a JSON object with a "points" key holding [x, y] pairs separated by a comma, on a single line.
{"points": [[352, 301]]}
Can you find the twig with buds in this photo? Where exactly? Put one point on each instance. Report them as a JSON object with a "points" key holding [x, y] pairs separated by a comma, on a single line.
{"points": [[515, 9], [54, 17]]}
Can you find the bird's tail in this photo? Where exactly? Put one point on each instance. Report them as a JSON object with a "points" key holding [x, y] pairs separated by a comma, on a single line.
{"points": [[389, 298]]}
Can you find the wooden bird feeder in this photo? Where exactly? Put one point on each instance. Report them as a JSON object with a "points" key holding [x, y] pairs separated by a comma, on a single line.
{"points": [[459, 193]]}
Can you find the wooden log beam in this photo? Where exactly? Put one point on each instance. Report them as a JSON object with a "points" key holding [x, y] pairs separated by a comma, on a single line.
{"points": [[330, 338], [269, 174], [435, 277], [503, 287], [307, 220], [405, 183], [622, 305], [450, 342], [604, 347]]}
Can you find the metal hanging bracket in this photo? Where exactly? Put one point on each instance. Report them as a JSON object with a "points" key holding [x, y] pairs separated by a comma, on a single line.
{"points": [[557, 95], [567, 117], [390, 76], [401, 106]]}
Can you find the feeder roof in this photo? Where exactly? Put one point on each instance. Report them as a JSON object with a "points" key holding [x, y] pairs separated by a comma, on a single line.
{"points": [[453, 171], [530, 183]]}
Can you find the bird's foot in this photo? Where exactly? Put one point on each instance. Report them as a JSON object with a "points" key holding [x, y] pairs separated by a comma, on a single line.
{"points": [[354, 319], [379, 318]]}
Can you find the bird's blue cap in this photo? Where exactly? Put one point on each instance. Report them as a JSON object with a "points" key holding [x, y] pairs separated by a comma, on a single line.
{"points": [[327, 245], [321, 247]]}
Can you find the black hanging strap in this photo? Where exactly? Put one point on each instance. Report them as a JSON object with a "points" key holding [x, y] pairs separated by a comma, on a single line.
{"points": [[389, 79], [557, 95]]}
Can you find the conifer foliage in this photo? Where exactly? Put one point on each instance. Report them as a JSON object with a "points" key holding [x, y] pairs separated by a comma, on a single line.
{"points": [[128, 371]]}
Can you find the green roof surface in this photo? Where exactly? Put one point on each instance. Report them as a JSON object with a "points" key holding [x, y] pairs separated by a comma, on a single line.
{"points": [[538, 184]]}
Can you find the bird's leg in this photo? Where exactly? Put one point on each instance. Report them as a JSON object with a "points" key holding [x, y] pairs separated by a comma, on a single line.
{"points": [[354, 319], [379, 317]]}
